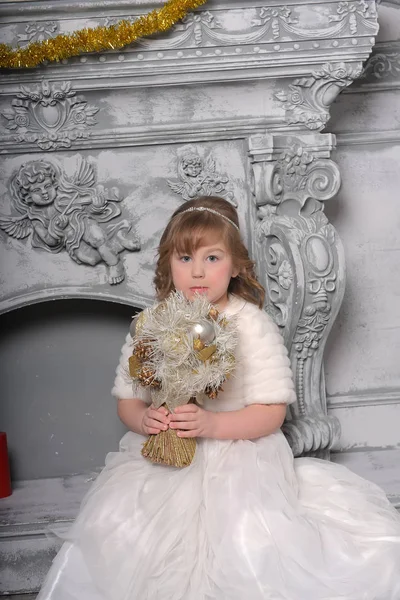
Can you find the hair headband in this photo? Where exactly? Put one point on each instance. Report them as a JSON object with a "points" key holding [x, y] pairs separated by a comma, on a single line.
{"points": [[211, 210]]}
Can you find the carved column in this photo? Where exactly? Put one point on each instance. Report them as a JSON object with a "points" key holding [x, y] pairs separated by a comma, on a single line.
{"points": [[301, 264]]}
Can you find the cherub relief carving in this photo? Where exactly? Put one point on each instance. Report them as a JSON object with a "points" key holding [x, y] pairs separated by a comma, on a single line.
{"points": [[70, 214], [198, 176]]}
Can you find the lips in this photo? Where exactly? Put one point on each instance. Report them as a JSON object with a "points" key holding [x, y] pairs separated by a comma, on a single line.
{"points": [[198, 289]]}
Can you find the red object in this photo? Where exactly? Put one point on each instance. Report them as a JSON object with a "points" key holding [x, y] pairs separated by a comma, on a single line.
{"points": [[5, 480]]}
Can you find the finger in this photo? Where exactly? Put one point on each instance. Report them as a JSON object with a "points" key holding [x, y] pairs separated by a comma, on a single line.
{"points": [[184, 425], [152, 430], [186, 408], [156, 424], [157, 416], [158, 408], [187, 434], [163, 410], [183, 417]]}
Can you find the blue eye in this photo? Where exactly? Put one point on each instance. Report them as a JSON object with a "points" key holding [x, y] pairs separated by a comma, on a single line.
{"points": [[184, 259], [212, 258]]}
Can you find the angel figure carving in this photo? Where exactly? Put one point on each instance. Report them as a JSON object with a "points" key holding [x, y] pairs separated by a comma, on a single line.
{"points": [[70, 214], [198, 176]]}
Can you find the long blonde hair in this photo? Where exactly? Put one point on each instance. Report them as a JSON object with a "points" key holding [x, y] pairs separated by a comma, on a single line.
{"points": [[188, 231]]}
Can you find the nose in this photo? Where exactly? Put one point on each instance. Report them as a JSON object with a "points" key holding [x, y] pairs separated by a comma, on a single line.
{"points": [[197, 269]]}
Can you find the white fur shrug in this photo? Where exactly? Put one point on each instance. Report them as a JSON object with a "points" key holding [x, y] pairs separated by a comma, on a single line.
{"points": [[262, 374]]}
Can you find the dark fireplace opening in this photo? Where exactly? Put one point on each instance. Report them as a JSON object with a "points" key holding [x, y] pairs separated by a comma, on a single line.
{"points": [[57, 366]]}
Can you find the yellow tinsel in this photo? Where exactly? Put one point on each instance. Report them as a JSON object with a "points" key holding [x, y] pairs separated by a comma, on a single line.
{"points": [[96, 39]]}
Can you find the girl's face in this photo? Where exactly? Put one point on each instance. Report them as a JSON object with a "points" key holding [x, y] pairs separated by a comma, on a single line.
{"points": [[207, 270]]}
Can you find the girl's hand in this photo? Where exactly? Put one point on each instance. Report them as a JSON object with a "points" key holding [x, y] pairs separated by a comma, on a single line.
{"points": [[155, 420], [193, 421]]}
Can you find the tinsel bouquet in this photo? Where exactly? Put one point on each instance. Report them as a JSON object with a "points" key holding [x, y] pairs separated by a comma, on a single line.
{"points": [[181, 349]]}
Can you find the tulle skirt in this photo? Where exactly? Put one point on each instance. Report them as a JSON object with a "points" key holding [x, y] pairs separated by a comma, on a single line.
{"points": [[244, 522]]}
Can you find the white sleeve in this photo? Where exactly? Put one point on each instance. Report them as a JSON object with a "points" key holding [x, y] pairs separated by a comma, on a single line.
{"points": [[268, 376], [124, 388]]}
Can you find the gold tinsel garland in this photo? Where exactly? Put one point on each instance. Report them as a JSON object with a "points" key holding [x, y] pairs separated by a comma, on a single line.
{"points": [[96, 39]]}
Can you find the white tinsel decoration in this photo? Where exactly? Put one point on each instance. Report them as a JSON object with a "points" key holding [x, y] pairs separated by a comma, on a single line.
{"points": [[168, 328]]}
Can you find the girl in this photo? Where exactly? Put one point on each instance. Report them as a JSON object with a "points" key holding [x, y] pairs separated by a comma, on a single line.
{"points": [[244, 521]]}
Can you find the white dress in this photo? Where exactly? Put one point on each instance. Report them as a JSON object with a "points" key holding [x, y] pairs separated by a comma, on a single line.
{"points": [[245, 521]]}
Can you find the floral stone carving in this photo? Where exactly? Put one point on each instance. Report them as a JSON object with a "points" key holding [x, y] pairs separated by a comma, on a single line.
{"points": [[308, 99], [50, 115], [74, 215]]}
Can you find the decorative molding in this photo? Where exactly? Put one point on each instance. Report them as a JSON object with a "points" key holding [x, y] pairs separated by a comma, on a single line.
{"points": [[74, 215], [219, 43], [195, 132], [267, 23], [49, 115], [172, 67], [19, 300], [270, 24], [357, 400], [385, 85], [363, 138], [197, 176], [308, 99], [159, 133], [301, 263], [86, 8]]}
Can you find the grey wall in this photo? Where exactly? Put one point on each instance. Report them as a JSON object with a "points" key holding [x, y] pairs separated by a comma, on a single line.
{"points": [[363, 351]]}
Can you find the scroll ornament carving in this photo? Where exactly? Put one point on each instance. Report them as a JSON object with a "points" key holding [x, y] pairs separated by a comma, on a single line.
{"points": [[301, 256], [307, 99], [310, 435], [198, 176], [315, 238], [299, 175], [71, 214], [382, 65], [50, 115]]}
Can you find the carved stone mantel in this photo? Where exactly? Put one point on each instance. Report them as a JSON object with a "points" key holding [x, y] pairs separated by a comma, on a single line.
{"points": [[263, 76], [301, 264], [97, 152]]}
